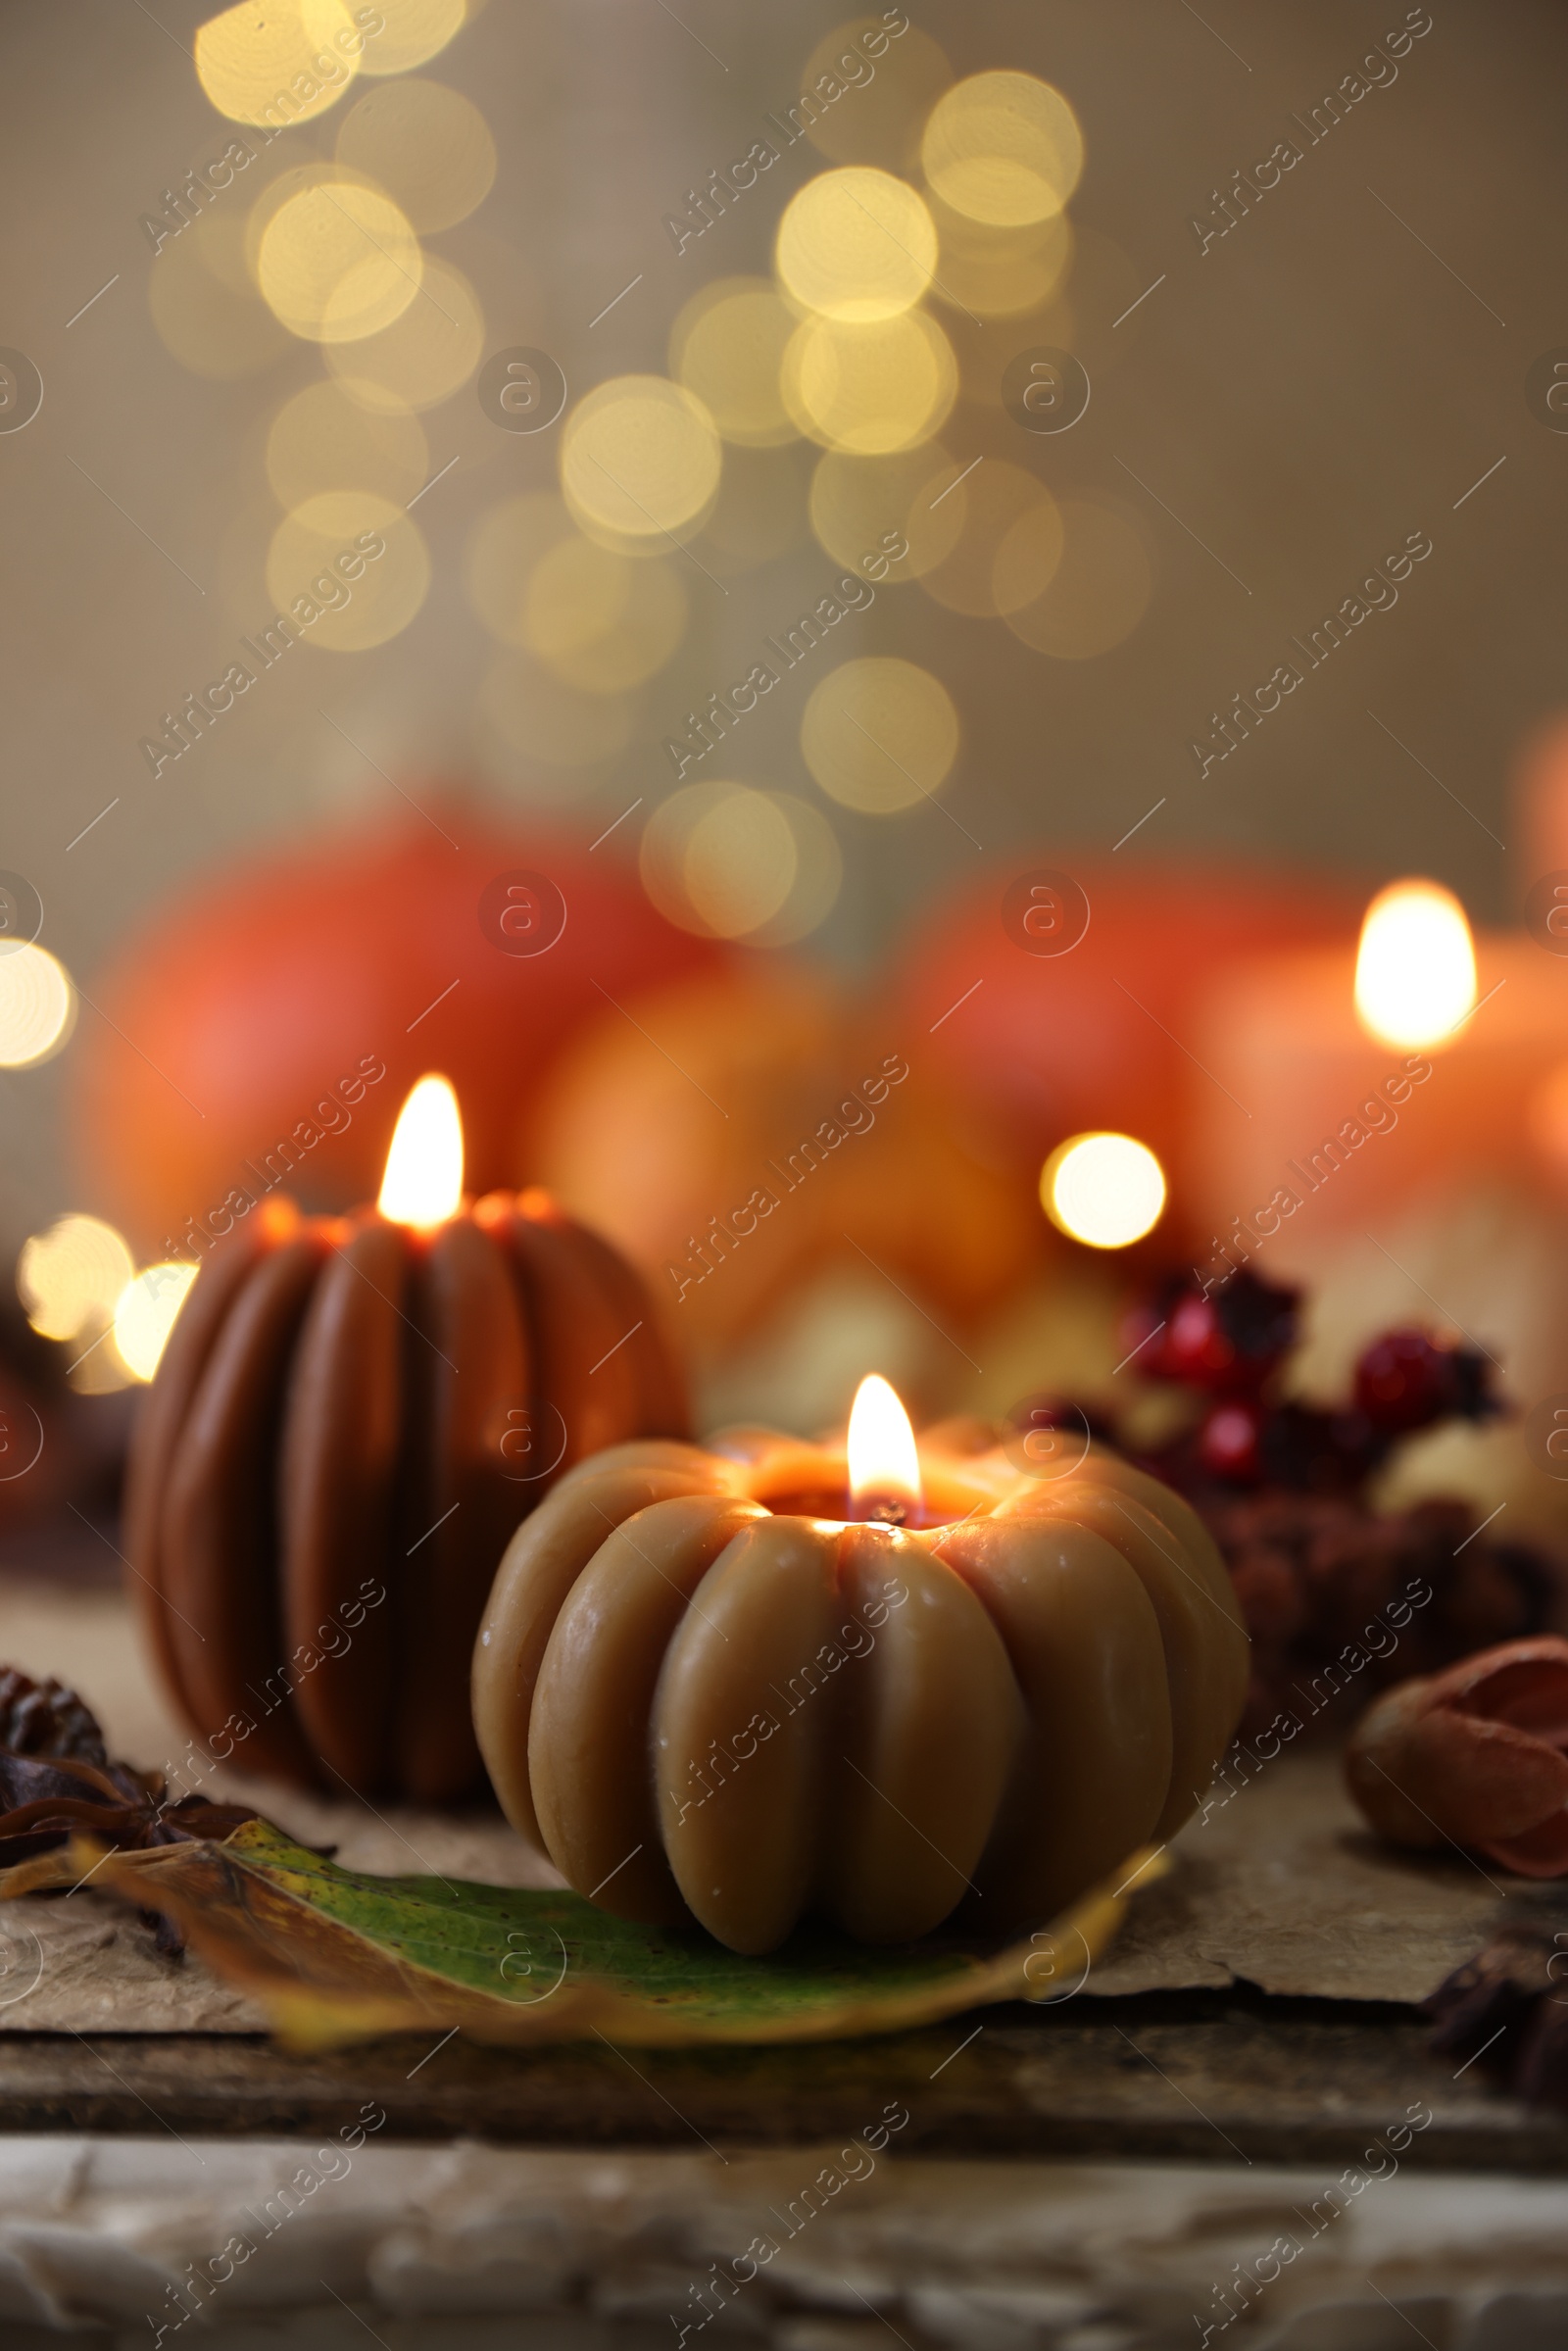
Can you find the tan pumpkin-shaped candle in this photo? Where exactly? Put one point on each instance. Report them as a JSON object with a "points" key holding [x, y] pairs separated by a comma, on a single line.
{"points": [[708, 1692]]}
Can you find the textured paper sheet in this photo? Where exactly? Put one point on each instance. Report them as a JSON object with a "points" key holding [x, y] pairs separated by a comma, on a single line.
{"points": [[1281, 1885], [1276, 1885], [83, 1963]]}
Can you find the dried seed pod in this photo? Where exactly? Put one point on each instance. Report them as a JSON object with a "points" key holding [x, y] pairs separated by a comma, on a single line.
{"points": [[45, 1717]]}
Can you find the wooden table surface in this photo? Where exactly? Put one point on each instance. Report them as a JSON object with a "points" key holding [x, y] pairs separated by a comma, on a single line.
{"points": [[1228, 2076]]}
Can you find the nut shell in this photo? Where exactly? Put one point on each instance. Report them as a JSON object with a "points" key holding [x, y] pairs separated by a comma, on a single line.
{"points": [[1476, 1758]]}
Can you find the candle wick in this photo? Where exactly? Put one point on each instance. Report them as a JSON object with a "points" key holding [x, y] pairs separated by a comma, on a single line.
{"points": [[889, 1513]]}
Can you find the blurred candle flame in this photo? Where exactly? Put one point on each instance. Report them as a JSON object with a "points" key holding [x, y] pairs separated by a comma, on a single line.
{"points": [[1104, 1190], [884, 1465], [423, 1180], [1415, 970], [145, 1315]]}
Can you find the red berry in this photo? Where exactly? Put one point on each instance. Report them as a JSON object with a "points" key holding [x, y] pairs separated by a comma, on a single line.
{"points": [[1230, 1442], [1192, 1345], [1227, 1339], [1405, 1381]]}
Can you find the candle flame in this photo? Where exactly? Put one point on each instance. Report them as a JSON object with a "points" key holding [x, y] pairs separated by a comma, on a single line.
{"points": [[1415, 970], [423, 1180], [884, 1466]]}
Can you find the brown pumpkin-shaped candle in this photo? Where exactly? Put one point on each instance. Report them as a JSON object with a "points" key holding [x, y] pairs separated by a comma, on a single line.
{"points": [[350, 1419], [863, 1681]]}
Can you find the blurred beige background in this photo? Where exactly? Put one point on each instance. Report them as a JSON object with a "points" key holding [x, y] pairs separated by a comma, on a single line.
{"points": [[1278, 411]]}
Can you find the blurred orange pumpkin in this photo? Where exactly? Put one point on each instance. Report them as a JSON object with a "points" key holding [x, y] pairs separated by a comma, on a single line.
{"points": [[266, 1025], [1044, 1044], [734, 1139]]}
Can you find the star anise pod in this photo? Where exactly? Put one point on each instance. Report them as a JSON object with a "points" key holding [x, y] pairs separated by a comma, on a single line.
{"points": [[45, 1800], [1506, 2010], [56, 1779]]}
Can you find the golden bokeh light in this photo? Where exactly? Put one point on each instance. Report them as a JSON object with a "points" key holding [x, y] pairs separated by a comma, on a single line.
{"points": [[533, 712], [1092, 311], [323, 570], [818, 875], [1006, 508], [504, 551], [640, 460], [413, 31], [69, 1279], [205, 305], [872, 93], [145, 1315], [602, 622], [1029, 560], [1097, 593], [1003, 148], [338, 260], [1104, 1190], [871, 390], [37, 1007], [862, 508], [718, 859], [279, 62], [727, 347], [424, 355], [997, 272], [429, 146], [729, 862], [1415, 967], [740, 862], [856, 245], [321, 440], [879, 734], [270, 198]]}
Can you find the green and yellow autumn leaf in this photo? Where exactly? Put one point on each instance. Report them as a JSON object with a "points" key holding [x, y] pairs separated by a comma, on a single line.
{"points": [[332, 1956]]}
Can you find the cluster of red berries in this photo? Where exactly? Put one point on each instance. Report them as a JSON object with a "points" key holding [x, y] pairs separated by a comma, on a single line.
{"points": [[1228, 1343], [1282, 1488]]}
